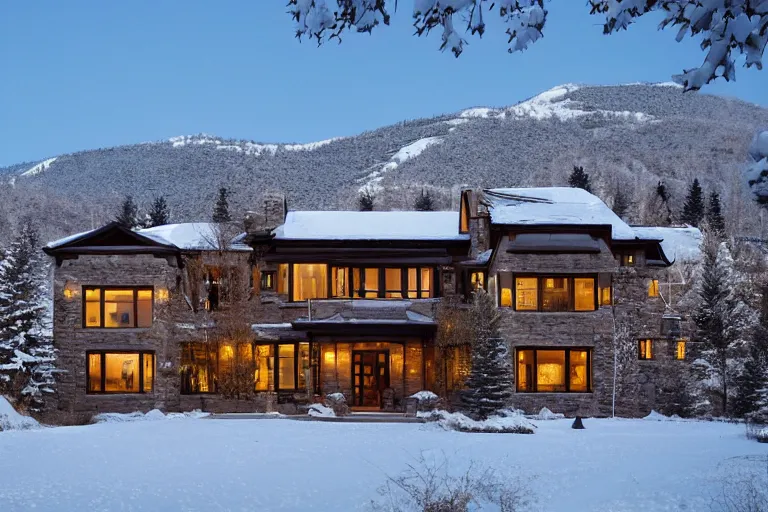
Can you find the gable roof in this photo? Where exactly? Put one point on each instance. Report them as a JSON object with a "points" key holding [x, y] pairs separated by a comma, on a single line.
{"points": [[193, 236], [682, 244], [352, 225], [553, 206]]}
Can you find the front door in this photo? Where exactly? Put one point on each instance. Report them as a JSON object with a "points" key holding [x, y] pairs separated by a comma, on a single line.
{"points": [[370, 376]]}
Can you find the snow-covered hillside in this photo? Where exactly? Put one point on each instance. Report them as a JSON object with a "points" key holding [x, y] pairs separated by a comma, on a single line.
{"points": [[636, 135]]}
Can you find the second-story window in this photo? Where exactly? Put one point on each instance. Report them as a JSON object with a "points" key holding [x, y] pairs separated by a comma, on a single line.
{"points": [[627, 260], [310, 281], [645, 350], [550, 294], [117, 307], [653, 288]]}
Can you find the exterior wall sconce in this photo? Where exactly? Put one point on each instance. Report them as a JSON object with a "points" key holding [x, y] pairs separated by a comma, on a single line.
{"points": [[71, 290], [161, 295]]}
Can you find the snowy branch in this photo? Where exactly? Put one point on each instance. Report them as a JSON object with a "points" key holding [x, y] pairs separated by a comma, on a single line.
{"points": [[729, 28]]}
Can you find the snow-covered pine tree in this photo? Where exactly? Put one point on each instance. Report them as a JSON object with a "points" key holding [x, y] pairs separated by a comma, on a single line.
{"points": [[621, 203], [424, 203], [366, 200], [752, 384], [723, 321], [715, 219], [26, 346], [579, 179], [128, 215], [489, 387], [159, 215], [694, 208], [221, 210]]}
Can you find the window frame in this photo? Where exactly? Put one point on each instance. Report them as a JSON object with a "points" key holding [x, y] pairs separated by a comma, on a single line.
{"points": [[356, 290], [135, 290], [268, 275], [103, 367], [628, 259], [654, 289], [678, 344], [540, 287], [567, 363], [642, 354]]}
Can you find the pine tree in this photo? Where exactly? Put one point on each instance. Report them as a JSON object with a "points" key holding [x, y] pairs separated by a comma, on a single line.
{"points": [[694, 209], [159, 215], [715, 219], [128, 216], [221, 210], [621, 203], [26, 345], [752, 384], [579, 179], [489, 386], [723, 319], [424, 202], [366, 200]]}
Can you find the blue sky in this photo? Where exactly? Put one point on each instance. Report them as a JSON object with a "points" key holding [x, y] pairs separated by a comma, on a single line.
{"points": [[89, 74]]}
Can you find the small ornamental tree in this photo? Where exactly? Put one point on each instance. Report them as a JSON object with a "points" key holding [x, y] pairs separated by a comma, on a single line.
{"points": [[694, 209], [424, 203], [579, 179], [26, 345], [128, 215], [489, 387], [159, 215], [715, 219], [221, 210], [366, 200]]}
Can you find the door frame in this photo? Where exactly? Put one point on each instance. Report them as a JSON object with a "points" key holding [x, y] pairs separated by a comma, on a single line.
{"points": [[387, 376]]}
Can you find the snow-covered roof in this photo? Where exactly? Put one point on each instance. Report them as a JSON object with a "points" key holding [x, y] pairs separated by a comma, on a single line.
{"points": [[681, 244], [68, 239], [350, 225], [193, 236], [554, 206]]}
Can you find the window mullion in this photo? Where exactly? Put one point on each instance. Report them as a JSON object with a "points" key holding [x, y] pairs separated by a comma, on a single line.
{"points": [[101, 307], [567, 370], [142, 355], [535, 372], [103, 364]]}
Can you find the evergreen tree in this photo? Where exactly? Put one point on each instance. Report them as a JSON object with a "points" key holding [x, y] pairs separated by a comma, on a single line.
{"points": [[366, 200], [715, 219], [424, 202], [221, 210], [128, 216], [159, 215], [722, 320], [694, 209], [752, 384], [621, 203], [489, 386], [579, 179], [26, 344]]}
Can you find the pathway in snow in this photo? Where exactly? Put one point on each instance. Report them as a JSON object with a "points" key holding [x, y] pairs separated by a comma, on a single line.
{"points": [[287, 465]]}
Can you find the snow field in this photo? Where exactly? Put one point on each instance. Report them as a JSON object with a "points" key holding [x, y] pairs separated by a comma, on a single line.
{"points": [[286, 465]]}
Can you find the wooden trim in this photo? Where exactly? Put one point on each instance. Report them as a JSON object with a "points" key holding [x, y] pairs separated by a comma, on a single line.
{"points": [[101, 289]]}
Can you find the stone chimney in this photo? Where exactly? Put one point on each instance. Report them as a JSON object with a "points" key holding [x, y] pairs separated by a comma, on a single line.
{"points": [[271, 214]]}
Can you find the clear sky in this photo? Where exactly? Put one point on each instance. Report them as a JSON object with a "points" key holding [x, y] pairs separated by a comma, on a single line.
{"points": [[89, 74]]}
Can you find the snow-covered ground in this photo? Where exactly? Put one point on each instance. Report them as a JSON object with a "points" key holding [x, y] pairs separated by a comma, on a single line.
{"points": [[281, 464]]}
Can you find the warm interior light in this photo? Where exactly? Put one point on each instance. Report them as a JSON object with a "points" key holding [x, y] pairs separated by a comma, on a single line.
{"points": [[329, 357], [161, 294], [67, 293]]}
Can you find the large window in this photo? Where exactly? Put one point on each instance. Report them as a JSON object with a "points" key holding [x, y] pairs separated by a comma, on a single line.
{"points": [[117, 307], [208, 367], [554, 370], [120, 372], [548, 293], [310, 281]]}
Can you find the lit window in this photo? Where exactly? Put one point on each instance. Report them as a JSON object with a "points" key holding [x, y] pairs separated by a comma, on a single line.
{"points": [[477, 280], [645, 349], [605, 296], [555, 294], [527, 294], [653, 288], [627, 260], [264, 376], [426, 283], [553, 371], [393, 283], [340, 282], [282, 278], [118, 307], [584, 293], [120, 372], [268, 281], [458, 364], [197, 369], [310, 281], [287, 375], [464, 214], [680, 350]]}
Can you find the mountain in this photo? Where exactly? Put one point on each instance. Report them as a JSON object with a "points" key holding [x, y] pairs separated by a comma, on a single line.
{"points": [[631, 136]]}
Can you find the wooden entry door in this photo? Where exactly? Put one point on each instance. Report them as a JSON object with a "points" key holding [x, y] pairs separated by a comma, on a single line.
{"points": [[370, 376]]}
